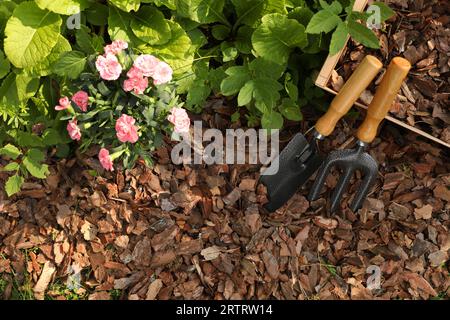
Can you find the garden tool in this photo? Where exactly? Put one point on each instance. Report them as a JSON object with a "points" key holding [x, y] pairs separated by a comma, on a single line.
{"points": [[301, 159], [358, 159]]}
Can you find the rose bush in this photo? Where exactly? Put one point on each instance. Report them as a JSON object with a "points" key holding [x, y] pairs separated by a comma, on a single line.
{"points": [[117, 108]]}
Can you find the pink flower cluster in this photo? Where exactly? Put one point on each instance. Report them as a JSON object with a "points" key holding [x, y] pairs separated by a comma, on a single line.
{"points": [[109, 67], [180, 119], [81, 99], [105, 159], [147, 66]]}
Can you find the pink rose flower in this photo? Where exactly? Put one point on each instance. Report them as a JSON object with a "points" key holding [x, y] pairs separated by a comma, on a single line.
{"points": [[109, 67], [64, 103], [146, 63], [81, 99], [180, 120], [105, 159], [138, 85], [162, 74], [116, 47], [126, 131], [135, 73], [73, 130]]}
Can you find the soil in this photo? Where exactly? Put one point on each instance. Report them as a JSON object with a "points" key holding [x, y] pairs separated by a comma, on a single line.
{"points": [[200, 232]]}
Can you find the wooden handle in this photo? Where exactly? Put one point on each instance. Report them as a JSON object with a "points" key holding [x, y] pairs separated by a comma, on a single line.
{"points": [[349, 93], [387, 91]]}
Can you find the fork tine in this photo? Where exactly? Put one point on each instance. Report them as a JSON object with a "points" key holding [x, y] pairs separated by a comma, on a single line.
{"points": [[321, 176], [340, 188], [368, 181]]}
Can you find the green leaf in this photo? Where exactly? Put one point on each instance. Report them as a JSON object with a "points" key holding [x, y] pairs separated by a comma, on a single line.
{"points": [[32, 162], [229, 54], [177, 52], [237, 77], [335, 7], [171, 4], [323, 21], [65, 7], [13, 166], [302, 15], [4, 65], [70, 64], [290, 110], [97, 14], [249, 12], [119, 26], [338, 38], [44, 67], [10, 151], [13, 185], [264, 90], [243, 40], [363, 35], [220, 32], [127, 5], [89, 44], [277, 36], [202, 11], [31, 34], [51, 137], [26, 139], [261, 67], [17, 89], [385, 11], [36, 155], [150, 26], [273, 120]]}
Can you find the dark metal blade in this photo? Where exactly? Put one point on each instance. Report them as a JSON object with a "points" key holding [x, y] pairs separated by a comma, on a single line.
{"points": [[297, 163]]}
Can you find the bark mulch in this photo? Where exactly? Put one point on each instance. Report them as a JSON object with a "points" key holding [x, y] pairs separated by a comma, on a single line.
{"points": [[184, 232]]}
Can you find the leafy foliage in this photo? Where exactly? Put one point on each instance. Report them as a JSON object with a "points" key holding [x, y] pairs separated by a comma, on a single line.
{"points": [[261, 52]]}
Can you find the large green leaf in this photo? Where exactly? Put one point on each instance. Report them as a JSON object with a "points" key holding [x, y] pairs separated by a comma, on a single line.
{"points": [[177, 52], [70, 64], [65, 7], [13, 184], [10, 151], [202, 11], [119, 26], [363, 35], [277, 36], [150, 26], [4, 65], [338, 38], [264, 90], [272, 120], [323, 21], [16, 89], [33, 163], [249, 12], [127, 5], [237, 77], [31, 34], [44, 67]]}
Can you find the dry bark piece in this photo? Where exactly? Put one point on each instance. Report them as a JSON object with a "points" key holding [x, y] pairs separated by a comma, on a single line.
{"points": [[44, 280], [154, 289], [423, 213]]}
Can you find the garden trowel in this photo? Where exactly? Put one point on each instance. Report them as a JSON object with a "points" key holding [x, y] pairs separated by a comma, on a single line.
{"points": [[301, 159], [358, 159]]}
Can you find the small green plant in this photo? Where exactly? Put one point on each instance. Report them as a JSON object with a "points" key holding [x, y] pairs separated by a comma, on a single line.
{"points": [[23, 164], [329, 18]]}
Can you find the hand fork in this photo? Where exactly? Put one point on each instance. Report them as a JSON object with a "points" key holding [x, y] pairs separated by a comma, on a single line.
{"points": [[358, 159]]}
